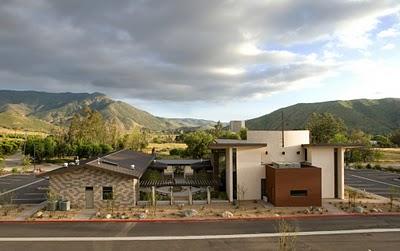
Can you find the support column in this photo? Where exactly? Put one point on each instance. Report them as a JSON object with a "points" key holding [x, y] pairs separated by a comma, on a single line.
{"points": [[171, 196], [153, 195], [190, 196], [340, 173], [208, 195], [229, 174]]}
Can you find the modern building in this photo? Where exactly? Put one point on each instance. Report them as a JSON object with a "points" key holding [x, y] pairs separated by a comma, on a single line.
{"points": [[280, 166], [236, 125], [98, 182]]}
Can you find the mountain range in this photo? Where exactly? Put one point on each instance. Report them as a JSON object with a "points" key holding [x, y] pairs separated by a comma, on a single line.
{"points": [[42, 111], [375, 116]]}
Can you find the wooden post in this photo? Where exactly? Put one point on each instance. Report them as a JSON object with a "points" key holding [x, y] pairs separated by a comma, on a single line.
{"points": [[153, 195], [190, 196], [208, 195], [171, 195]]}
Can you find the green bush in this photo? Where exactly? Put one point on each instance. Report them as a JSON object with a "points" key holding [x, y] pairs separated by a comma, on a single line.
{"points": [[219, 195], [200, 196], [177, 152]]}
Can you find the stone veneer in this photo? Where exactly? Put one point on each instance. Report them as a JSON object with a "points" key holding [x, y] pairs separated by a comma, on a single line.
{"points": [[71, 184]]}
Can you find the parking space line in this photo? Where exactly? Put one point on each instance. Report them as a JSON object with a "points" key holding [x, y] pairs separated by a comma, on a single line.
{"points": [[20, 187], [377, 181]]}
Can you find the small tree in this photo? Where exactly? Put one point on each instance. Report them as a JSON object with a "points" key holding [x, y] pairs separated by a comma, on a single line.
{"points": [[352, 197], [241, 190], [287, 238], [324, 127], [243, 133], [393, 194]]}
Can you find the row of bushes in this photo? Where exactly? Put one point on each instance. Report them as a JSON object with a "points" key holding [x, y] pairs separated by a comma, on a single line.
{"points": [[376, 167], [9, 147]]}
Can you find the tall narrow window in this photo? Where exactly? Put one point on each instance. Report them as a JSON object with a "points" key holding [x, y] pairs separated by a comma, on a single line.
{"points": [[107, 193], [234, 167]]}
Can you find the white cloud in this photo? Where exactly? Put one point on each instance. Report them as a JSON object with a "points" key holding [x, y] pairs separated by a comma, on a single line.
{"points": [[389, 46], [389, 33], [371, 79], [164, 50]]}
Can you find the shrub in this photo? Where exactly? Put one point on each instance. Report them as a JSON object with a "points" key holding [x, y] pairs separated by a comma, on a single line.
{"points": [[177, 152]]}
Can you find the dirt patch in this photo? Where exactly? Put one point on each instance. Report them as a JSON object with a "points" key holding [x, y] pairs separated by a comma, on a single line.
{"points": [[247, 209], [9, 212]]}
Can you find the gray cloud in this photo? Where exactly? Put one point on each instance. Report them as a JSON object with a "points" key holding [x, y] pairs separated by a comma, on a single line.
{"points": [[168, 50]]}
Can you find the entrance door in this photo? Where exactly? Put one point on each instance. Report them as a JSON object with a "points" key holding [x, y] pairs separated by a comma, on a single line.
{"points": [[89, 197]]}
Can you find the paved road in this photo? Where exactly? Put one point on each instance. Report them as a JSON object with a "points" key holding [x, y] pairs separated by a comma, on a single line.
{"points": [[354, 242], [14, 160], [120, 235], [374, 181], [23, 189]]}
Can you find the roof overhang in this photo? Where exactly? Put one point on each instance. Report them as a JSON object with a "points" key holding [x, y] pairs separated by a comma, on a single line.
{"points": [[226, 145], [346, 146]]}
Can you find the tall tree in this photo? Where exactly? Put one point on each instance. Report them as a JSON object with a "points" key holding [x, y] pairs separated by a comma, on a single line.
{"points": [[217, 129], [197, 143], [324, 127], [137, 140], [395, 137]]}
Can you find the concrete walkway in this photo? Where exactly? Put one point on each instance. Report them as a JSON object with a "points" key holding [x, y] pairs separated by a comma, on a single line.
{"points": [[85, 214], [331, 208], [27, 213]]}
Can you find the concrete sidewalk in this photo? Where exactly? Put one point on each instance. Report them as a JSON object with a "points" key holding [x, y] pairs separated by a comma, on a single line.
{"points": [[27, 213], [85, 214]]}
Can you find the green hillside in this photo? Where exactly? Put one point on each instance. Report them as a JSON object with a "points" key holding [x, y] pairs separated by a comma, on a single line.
{"points": [[41, 111], [374, 116]]}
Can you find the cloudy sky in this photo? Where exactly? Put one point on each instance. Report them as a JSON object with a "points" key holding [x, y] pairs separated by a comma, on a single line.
{"points": [[205, 59]]}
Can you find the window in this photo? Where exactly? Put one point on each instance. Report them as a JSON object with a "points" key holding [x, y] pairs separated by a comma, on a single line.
{"points": [[107, 193], [298, 193]]}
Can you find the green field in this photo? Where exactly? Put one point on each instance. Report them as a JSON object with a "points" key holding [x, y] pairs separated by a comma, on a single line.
{"points": [[390, 155]]}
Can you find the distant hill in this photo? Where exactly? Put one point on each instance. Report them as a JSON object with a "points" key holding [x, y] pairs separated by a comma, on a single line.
{"points": [[42, 111], [375, 116]]}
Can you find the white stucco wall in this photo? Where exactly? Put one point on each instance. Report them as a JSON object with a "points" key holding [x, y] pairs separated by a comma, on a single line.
{"points": [[323, 157], [250, 171], [292, 139], [249, 159]]}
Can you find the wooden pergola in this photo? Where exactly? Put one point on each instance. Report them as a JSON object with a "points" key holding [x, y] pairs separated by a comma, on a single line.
{"points": [[195, 181]]}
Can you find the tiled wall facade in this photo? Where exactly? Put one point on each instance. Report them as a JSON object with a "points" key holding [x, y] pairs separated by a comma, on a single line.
{"points": [[71, 185]]}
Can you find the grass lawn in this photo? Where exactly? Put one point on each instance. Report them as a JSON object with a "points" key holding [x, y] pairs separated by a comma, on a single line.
{"points": [[164, 148], [390, 155]]}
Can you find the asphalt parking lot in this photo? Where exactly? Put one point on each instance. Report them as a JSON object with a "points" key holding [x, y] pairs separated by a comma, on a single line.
{"points": [[373, 181], [23, 189]]}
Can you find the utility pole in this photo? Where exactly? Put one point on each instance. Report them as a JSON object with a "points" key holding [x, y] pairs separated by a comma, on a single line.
{"points": [[34, 157], [283, 131]]}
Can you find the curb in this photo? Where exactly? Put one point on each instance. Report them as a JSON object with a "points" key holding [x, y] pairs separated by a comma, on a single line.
{"points": [[194, 220]]}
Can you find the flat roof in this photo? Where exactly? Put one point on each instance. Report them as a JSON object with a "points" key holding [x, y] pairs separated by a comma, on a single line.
{"points": [[333, 145], [180, 161], [235, 142]]}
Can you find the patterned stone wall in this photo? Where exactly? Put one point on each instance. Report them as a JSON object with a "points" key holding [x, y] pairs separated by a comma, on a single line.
{"points": [[70, 185]]}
